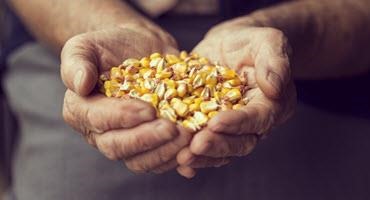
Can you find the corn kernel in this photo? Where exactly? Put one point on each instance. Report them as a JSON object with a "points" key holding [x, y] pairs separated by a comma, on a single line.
{"points": [[181, 108], [190, 125], [150, 98], [237, 106], [170, 93], [200, 118], [212, 114], [233, 95], [168, 113], [145, 62], [160, 90], [181, 89], [196, 89], [183, 55], [172, 59], [208, 106], [131, 62], [155, 55]]}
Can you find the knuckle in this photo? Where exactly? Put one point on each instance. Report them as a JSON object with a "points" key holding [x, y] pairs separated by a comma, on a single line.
{"points": [[105, 146]]}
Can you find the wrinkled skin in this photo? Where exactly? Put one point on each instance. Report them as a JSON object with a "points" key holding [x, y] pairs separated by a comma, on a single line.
{"points": [[126, 130], [261, 55]]}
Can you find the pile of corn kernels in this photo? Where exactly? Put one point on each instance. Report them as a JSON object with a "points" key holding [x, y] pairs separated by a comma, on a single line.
{"points": [[186, 89]]}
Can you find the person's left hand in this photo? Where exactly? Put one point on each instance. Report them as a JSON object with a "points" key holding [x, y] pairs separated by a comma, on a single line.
{"points": [[260, 55]]}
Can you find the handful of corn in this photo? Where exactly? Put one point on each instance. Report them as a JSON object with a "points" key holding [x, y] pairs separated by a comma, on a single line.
{"points": [[186, 89]]}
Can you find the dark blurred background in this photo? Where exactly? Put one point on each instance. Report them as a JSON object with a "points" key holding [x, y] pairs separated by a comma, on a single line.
{"points": [[330, 132]]}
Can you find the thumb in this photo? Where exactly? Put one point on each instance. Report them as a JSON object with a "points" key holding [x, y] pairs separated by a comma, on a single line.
{"points": [[272, 68], [79, 66]]}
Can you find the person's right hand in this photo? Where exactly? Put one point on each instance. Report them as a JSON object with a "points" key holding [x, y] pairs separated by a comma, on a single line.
{"points": [[125, 130]]}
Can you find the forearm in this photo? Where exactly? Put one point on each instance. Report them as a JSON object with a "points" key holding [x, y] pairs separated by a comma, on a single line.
{"points": [[54, 22], [329, 38]]}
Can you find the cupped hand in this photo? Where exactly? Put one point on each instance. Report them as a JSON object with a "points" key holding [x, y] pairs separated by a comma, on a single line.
{"points": [[126, 130], [260, 56]]}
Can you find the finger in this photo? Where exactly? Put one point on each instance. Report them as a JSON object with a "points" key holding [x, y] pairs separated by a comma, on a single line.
{"points": [[124, 143], [79, 66], [207, 143], [154, 158], [186, 158], [257, 117], [172, 164], [272, 64], [186, 171], [99, 114]]}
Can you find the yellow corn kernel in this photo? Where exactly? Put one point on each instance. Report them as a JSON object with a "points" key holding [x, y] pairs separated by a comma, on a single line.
{"points": [[190, 125], [120, 94], [149, 84], [131, 62], [224, 90], [226, 106], [134, 94], [233, 95], [181, 108], [180, 69], [194, 55], [194, 107], [206, 94], [232, 83], [200, 118], [150, 98], [131, 69], [203, 61], [126, 86], [208, 106], [192, 74], [108, 93], [212, 114], [115, 73], [183, 55], [197, 92], [170, 93], [163, 104], [168, 113], [211, 79], [149, 73], [170, 83], [188, 100], [198, 81], [145, 62], [172, 59], [155, 55], [237, 106], [154, 62], [226, 73], [181, 89], [160, 90], [166, 73]]}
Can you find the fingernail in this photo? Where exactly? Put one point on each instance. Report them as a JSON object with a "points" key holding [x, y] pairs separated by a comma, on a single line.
{"points": [[146, 114], [190, 160], [77, 80], [275, 81]]}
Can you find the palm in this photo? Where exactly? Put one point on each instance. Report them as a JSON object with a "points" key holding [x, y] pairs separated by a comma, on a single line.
{"points": [[109, 47]]}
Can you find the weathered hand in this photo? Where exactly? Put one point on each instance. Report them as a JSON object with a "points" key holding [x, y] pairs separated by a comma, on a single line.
{"points": [[125, 130], [260, 54]]}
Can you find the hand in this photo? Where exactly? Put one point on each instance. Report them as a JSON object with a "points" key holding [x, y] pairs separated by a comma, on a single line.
{"points": [[260, 54], [125, 130]]}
